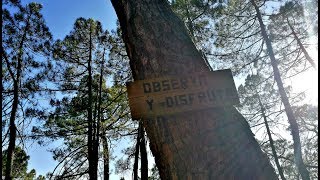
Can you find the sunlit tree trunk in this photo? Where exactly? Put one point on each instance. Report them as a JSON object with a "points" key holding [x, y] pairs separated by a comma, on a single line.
{"points": [[288, 109], [306, 54], [214, 143], [271, 142]]}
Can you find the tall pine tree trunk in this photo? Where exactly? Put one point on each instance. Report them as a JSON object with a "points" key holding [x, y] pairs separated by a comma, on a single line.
{"points": [[306, 54], [1, 76], [105, 158], [291, 118], [214, 143], [14, 108], [97, 130], [144, 155], [91, 156], [136, 156], [12, 128], [273, 149]]}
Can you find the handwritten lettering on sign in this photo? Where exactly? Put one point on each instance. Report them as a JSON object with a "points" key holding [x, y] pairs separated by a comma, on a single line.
{"points": [[168, 95]]}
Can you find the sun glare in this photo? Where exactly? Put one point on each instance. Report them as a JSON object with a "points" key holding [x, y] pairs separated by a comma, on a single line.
{"points": [[307, 82]]}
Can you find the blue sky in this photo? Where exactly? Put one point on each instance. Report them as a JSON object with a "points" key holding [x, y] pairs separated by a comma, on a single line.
{"points": [[61, 14]]}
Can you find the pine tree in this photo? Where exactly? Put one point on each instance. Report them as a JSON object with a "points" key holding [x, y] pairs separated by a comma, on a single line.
{"points": [[240, 42], [20, 164], [259, 102], [284, 98], [109, 111], [79, 50], [290, 32], [24, 35], [177, 143]]}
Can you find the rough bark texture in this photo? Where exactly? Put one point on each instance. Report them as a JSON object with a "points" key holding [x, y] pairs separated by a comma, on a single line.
{"points": [[215, 143], [291, 118]]}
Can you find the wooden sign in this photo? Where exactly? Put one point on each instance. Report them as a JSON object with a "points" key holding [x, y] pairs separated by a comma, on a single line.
{"points": [[168, 95]]}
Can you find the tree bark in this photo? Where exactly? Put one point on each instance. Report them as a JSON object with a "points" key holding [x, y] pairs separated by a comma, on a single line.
{"points": [[97, 134], [214, 143], [136, 156], [144, 155], [91, 156], [12, 128], [291, 118], [105, 158], [273, 149]]}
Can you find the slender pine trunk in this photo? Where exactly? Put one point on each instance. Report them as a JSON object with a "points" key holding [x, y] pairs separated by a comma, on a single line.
{"points": [[105, 158], [288, 109], [136, 156], [1, 88], [306, 54], [12, 125], [273, 149], [12, 130], [144, 155], [191, 30], [92, 169], [98, 121]]}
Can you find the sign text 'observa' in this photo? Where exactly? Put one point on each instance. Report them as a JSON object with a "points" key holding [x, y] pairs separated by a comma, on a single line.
{"points": [[176, 94]]}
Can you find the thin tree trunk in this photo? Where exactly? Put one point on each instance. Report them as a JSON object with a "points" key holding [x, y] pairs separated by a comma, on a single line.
{"points": [[136, 156], [190, 24], [12, 127], [306, 54], [105, 158], [97, 139], [94, 128], [1, 76], [273, 149], [291, 118], [144, 155], [191, 29], [91, 156], [214, 143]]}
